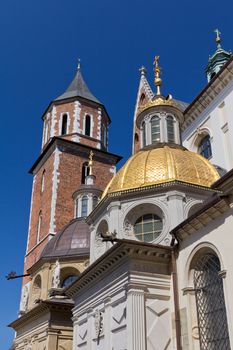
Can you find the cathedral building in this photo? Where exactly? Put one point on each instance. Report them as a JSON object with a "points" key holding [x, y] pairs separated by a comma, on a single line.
{"points": [[139, 259]]}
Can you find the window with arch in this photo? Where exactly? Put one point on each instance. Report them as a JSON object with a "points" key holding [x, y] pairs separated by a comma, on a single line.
{"points": [[39, 227], [155, 129], [104, 135], [148, 227], [142, 98], [68, 280], [204, 147], [170, 129], [210, 302], [42, 181], [87, 125], [64, 124], [85, 172], [143, 134], [84, 204], [95, 201]]}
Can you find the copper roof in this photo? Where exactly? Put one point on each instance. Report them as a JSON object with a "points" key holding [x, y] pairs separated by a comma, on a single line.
{"points": [[73, 239]]}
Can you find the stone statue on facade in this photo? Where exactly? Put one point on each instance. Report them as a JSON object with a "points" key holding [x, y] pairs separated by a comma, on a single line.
{"points": [[56, 276], [24, 299]]}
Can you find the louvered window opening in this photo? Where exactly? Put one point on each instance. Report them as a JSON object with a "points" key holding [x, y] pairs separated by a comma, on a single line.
{"points": [[211, 309]]}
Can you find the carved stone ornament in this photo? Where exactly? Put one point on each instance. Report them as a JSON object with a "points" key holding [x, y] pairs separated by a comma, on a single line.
{"points": [[56, 275], [98, 323], [128, 228], [99, 245], [24, 299]]}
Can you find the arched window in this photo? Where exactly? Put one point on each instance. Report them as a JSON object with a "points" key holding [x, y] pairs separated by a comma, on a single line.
{"points": [[143, 134], [64, 124], [148, 227], [39, 227], [84, 206], [87, 125], [95, 201], [170, 129], [42, 181], [104, 135], [155, 129], [204, 147], [68, 280], [85, 172], [211, 309]]}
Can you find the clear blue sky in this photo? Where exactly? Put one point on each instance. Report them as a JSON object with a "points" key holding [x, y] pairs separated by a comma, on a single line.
{"points": [[40, 42]]}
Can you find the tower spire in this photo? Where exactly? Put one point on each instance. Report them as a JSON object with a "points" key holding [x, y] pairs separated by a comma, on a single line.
{"points": [[157, 70], [79, 64], [218, 39]]}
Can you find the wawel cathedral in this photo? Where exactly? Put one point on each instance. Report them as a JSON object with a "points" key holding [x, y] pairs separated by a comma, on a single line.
{"points": [[141, 258]]}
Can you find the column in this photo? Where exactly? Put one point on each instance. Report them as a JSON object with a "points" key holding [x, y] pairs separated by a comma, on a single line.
{"points": [[136, 335]]}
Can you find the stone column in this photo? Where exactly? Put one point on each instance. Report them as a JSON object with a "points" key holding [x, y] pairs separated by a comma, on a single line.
{"points": [[107, 324], [136, 334], [52, 339], [89, 328]]}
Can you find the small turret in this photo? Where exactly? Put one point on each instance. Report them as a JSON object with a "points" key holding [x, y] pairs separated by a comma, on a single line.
{"points": [[218, 59]]}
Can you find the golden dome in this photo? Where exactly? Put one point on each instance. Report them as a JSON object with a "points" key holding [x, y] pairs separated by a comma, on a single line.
{"points": [[158, 165], [160, 101]]}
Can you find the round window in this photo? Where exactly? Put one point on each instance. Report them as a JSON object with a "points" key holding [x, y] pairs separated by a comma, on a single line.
{"points": [[148, 227]]}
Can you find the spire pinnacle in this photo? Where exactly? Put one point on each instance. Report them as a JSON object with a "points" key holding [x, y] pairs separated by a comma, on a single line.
{"points": [[142, 70], [218, 39], [79, 64], [157, 71]]}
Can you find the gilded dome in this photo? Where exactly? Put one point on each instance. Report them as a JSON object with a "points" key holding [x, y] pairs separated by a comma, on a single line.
{"points": [[162, 164]]}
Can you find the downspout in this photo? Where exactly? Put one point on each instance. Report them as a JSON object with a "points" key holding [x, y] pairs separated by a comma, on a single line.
{"points": [[176, 298]]}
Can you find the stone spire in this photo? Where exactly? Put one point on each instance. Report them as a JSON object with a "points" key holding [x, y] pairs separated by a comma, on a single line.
{"points": [[218, 59], [78, 88]]}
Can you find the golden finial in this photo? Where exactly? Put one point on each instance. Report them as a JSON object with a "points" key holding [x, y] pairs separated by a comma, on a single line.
{"points": [[90, 163], [157, 70], [218, 39], [142, 70], [79, 64]]}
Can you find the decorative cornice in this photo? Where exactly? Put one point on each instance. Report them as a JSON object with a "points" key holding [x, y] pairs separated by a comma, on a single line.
{"points": [[123, 249]]}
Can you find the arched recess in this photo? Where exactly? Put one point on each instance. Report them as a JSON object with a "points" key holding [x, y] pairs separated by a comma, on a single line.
{"points": [[68, 275], [36, 288], [206, 301], [102, 228]]}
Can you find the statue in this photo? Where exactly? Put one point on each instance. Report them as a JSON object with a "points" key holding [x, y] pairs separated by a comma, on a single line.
{"points": [[90, 163], [56, 276], [24, 299]]}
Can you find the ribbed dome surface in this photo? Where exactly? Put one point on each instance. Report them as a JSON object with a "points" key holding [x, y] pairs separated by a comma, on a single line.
{"points": [[161, 164], [73, 239]]}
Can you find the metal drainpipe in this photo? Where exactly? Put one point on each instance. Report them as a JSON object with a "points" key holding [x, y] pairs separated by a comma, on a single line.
{"points": [[176, 299]]}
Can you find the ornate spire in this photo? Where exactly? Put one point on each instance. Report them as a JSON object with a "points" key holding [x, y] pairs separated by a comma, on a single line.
{"points": [[218, 39], [142, 70], [90, 163], [157, 71], [79, 64]]}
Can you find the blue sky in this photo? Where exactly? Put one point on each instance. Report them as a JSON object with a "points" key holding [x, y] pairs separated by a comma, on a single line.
{"points": [[40, 42]]}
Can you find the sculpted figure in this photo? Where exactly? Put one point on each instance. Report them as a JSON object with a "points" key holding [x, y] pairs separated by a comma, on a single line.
{"points": [[56, 275]]}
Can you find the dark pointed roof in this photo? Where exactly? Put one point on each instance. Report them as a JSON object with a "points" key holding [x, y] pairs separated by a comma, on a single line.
{"points": [[78, 88]]}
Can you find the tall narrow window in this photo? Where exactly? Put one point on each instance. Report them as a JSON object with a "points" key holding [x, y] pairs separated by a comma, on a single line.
{"points": [[170, 129], [87, 125], [76, 207], [43, 181], [204, 147], [211, 309], [95, 201], [84, 206], [85, 171], [143, 134], [64, 124], [104, 135], [39, 227], [155, 129]]}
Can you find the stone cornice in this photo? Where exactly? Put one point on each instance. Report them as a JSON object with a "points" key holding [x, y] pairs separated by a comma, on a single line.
{"points": [[43, 307], [208, 94], [123, 249], [212, 210], [147, 190], [75, 148]]}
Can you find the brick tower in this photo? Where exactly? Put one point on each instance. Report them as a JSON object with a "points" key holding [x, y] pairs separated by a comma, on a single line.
{"points": [[75, 126]]}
